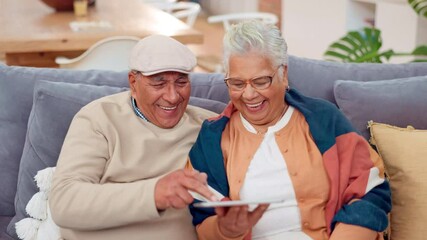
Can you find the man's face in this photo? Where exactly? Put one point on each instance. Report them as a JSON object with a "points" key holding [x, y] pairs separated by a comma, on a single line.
{"points": [[162, 97]]}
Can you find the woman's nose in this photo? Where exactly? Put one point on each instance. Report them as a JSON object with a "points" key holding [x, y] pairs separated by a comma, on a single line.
{"points": [[249, 91]]}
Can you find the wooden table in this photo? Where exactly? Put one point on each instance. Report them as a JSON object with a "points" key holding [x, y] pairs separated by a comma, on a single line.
{"points": [[33, 34]]}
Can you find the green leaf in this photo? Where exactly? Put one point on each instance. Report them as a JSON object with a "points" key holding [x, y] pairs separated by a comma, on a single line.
{"points": [[358, 46], [341, 46], [419, 6], [420, 51], [354, 46]]}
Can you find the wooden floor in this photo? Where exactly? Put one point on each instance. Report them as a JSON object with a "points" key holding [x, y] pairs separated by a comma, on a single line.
{"points": [[210, 52]]}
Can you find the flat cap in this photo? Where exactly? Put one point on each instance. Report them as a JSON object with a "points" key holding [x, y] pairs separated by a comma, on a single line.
{"points": [[156, 53]]}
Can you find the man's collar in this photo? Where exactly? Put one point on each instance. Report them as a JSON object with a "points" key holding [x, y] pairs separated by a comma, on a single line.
{"points": [[136, 110]]}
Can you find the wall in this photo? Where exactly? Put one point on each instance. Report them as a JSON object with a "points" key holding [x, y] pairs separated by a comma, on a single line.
{"points": [[403, 33], [310, 26]]}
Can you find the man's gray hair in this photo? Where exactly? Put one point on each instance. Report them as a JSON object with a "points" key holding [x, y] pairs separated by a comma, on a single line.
{"points": [[255, 35]]}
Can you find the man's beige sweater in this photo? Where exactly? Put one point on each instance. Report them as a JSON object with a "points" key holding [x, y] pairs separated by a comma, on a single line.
{"points": [[111, 159]]}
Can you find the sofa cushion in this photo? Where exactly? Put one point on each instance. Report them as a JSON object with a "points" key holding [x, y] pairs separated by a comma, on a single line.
{"points": [[209, 86], [404, 153], [315, 78], [16, 97], [212, 105], [4, 221], [54, 106], [399, 102]]}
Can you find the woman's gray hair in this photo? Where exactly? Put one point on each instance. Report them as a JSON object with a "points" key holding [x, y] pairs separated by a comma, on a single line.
{"points": [[255, 35]]}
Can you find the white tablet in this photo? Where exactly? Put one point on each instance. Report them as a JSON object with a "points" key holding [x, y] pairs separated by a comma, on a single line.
{"points": [[235, 203]]}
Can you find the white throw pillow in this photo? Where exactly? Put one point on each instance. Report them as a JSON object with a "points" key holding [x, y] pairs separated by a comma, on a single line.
{"points": [[40, 224]]}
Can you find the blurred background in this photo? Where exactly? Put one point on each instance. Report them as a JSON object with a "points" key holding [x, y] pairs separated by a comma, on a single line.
{"points": [[310, 27]]}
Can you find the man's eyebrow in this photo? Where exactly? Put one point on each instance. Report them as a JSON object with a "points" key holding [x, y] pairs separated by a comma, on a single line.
{"points": [[182, 75], [161, 78], [157, 78]]}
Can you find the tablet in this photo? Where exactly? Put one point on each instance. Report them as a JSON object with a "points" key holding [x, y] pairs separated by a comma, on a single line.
{"points": [[235, 203]]}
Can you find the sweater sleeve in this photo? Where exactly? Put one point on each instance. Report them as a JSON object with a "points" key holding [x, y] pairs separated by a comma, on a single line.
{"points": [[367, 184], [370, 212], [79, 201]]}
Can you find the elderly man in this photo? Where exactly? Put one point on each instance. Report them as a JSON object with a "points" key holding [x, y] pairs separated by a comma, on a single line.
{"points": [[120, 172]]}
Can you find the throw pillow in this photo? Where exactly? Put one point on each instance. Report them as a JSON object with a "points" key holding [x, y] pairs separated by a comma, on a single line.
{"points": [[316, 78], [399, 102], [16, 100], [40, 224], [404, 153], [54, 106], [209, 86], [208, 104]]}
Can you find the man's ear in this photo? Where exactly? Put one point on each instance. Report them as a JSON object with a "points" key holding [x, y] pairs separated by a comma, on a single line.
{"points": [[132, 82]]}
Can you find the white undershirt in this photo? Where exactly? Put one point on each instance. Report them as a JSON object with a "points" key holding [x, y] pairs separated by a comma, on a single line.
{"points": [[267, 178]]}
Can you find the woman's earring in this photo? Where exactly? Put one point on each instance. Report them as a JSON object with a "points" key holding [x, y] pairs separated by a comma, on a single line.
{"points": [[288, 88]]}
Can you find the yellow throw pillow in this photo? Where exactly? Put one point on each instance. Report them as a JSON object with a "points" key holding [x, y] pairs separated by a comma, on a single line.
{"points": [[404, 151]]}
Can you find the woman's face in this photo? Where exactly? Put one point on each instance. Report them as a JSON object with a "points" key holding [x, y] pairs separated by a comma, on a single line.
{"points": [[259, 107]]}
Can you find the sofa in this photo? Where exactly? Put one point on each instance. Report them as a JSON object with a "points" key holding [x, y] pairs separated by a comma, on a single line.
{"points": [[38, 104]]}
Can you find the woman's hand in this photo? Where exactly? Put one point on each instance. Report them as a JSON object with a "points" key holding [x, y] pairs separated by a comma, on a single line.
{"points": [[236, 221]]}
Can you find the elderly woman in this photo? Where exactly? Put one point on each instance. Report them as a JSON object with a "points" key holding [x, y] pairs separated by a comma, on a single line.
{"points": [[271, 142]]}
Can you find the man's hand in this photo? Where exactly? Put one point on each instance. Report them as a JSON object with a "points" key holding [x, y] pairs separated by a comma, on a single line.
{"points": [[236, 221], [172, 189]]}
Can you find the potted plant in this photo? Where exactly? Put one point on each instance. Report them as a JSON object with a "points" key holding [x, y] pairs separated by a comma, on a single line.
{"points": [[365, 45]]}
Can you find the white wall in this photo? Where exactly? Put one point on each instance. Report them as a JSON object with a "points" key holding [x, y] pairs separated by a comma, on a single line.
{"points": [[310, 26], [398, 33]]}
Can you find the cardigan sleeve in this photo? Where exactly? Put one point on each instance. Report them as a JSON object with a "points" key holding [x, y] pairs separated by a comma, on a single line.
{"points": [[366, 183]]}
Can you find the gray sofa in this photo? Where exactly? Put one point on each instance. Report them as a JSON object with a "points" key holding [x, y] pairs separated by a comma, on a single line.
{"points": [[37, 105]]}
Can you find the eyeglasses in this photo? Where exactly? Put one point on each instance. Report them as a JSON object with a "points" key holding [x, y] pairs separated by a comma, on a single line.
{"points": [[259, 83]]}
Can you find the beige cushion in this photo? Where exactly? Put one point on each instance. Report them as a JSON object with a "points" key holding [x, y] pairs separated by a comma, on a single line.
{"points": [[404, 151]]}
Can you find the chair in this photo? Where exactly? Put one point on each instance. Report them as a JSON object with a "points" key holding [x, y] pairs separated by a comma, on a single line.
{"points": [[158, 1], [228, 19], [181, 10], [108, 54]]}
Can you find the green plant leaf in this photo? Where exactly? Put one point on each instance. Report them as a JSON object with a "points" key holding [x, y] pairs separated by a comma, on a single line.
{"points": [[358, 46], [420, 51], [419, 6]]}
